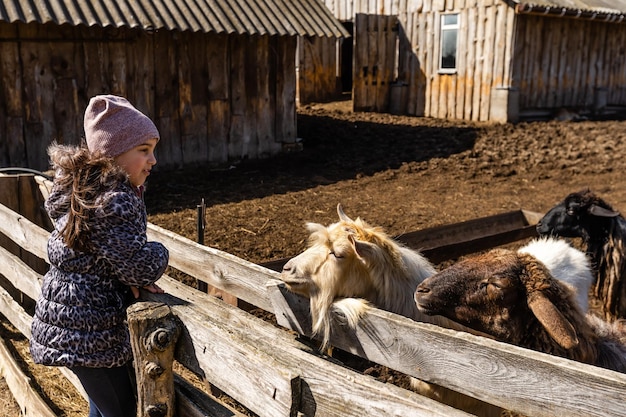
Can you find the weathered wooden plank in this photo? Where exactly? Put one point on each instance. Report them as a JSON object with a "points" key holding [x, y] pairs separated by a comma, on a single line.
{"points": [[383, 64], [241, 278], [431, 65], [565, 70], [31, 202], [192, 402], [93, 52], [12, 146], [20, 194], [282, 376], [12, 149], [598, 45], [218, 98], [469, 38], [19, 274], [38, 80], [556, 30], [361, 69], [30, 402], [24, 232], [236, 140], [517, 379], [192, 96], [510, 42], [499, 46], [421, 59], [480, 65], [10, 72], [489, 56], [65, 65], [141, 72], [371, 81], [169, 151], [116, 63], [266, 103], [286, 129], [305, 69]]}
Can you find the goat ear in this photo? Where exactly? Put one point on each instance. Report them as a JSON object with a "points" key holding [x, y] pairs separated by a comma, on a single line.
{"points": [[557, 326], [535, 278], [342, 215], [601, 211], [365, 250]]}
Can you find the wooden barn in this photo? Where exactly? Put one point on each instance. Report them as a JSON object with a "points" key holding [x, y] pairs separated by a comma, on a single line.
{"points": [[218, 77], [484, 60]]}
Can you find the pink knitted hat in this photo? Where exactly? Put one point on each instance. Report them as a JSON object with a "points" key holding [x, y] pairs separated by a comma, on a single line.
{"points": [[113, 126]]}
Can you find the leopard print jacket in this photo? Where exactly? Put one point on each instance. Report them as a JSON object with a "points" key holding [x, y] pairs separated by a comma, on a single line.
{"points": [[80, 315]]}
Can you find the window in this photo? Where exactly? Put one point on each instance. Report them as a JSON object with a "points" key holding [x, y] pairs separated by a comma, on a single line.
{"points": [[449, 35]]}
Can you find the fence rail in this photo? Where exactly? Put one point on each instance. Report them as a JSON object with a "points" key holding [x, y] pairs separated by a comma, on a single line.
{"points": [[269, 370]]}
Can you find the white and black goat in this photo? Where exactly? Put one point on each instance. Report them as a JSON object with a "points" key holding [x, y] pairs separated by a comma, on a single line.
{"points": [[603, 231]]}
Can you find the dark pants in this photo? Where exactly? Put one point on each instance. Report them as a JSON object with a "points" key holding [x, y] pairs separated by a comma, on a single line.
{"points": [[111, 391]]}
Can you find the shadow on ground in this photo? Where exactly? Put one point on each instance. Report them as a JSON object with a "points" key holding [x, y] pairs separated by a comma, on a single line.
{"points": [[334, 149]]}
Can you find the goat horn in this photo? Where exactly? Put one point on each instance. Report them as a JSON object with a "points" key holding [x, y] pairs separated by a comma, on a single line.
{"points": [[342, 215], [602, 212]]}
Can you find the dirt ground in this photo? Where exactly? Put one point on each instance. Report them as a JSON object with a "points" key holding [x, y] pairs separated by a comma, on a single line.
{"points": [[400, 173]]}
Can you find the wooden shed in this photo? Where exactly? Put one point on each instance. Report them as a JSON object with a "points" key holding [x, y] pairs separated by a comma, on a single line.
{"points": [[218, 77], [484, 60]]}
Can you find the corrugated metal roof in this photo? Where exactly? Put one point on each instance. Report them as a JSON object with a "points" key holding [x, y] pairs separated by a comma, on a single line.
{"points": [[253, 17], [608, 10]]}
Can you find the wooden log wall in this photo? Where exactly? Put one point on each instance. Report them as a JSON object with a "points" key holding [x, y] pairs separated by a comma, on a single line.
{"points": [[214, 98], [318, 68], [483, 61], [374, 61], [561, 62], [549, 62]]}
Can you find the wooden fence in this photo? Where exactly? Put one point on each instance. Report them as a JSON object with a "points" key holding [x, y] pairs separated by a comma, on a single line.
{"points": [[270, 371]]}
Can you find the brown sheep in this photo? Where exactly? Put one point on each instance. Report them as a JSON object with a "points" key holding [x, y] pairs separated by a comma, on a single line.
{"points": [[513, 297]]}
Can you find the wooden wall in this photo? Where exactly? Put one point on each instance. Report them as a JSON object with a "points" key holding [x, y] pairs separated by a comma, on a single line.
{"points": [[546, 62], [561, 62], [214, 98], [483, 61], [318, 64]]}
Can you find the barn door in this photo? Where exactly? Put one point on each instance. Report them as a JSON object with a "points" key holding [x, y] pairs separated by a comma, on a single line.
{"points": [[375, 65]]}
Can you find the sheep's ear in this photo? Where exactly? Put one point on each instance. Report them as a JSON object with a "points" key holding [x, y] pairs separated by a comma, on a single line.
{"points": [[601, 211], [535, 278], [557, 326], [342, 215]]}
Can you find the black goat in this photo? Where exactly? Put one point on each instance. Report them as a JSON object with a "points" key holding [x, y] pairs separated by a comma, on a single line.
{"points": [[603, 232]]}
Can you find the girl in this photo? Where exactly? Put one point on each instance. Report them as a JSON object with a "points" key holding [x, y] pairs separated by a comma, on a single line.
{"points": [[98, 251]]}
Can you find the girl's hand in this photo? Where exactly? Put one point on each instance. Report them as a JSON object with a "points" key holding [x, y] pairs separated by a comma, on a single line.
{"points": [[153, 288]]}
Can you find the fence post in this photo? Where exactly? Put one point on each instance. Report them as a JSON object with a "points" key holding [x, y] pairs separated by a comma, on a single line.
{"points": [[154, 330]]}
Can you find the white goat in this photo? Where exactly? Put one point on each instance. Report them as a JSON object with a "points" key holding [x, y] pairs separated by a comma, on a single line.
{"points": [[350, 265]]}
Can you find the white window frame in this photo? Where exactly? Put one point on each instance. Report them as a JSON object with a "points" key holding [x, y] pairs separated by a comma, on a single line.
{"points": [[448, 28]]}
